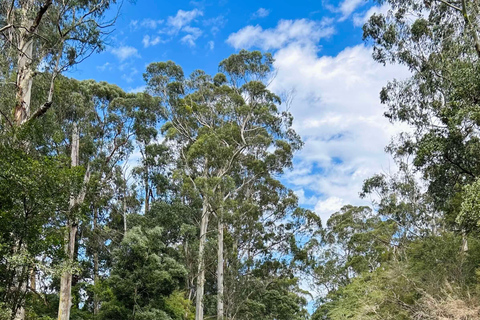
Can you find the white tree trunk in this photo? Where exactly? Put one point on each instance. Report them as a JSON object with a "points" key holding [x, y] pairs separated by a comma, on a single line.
{"points": [[70, 238], [24, 67], [201, 262], [21, 287], [96, 304], [66, 279], [220, 271]]}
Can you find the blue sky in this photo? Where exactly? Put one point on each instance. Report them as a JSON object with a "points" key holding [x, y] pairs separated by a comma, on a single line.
{"points": [[321, 61], [194, 33]]}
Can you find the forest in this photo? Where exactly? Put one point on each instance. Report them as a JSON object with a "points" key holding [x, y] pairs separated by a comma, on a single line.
{"points": [[203, 225]]}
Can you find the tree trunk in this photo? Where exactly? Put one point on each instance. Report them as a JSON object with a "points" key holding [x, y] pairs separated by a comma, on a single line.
{"points": [[24, 65], [24, 83], [147, 191], [201, 261], [21, 289], [66, 279], [33, 278], [124, 204], [220, 270], [70, 237], [96, 305]]}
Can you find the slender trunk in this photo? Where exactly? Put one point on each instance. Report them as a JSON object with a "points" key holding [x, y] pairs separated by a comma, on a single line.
{"points": [[220, 271], [96, 305], [24, 68], [201, 261], [464, 242], [147, 191], [70, 238], [21, 289], [33, 278], [66, 278], [125, 209]]}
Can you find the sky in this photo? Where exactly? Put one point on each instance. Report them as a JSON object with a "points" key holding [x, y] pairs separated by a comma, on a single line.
{"points": [[321, 62]]}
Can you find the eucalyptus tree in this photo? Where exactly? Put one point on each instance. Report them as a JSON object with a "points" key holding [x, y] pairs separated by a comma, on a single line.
{"points": [[47, 35], [218, 127], [33, 190], [268, 247], [96, 124], [438, 41]]}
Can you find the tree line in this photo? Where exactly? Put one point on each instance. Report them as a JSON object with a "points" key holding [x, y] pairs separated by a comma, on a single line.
{"points": [[201, 226]]}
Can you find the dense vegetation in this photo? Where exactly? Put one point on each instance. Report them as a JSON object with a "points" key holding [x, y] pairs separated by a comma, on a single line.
{"points": [[202, 226]]}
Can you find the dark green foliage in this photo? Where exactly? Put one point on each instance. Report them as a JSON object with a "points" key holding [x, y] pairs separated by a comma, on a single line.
{"points": [[143, 275]]}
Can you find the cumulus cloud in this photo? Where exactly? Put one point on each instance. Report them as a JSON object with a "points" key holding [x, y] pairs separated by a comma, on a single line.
{"points": [[151, 23], [150, 41], [360, 19], [183, 18], [211, 45], [125, 52], [347, 7], [325, 208], [147, 23], [105, 66], [181, 23], [338, 114], [137, 89], [192, 36], [302, 31], [336, 108], [260, 13]]}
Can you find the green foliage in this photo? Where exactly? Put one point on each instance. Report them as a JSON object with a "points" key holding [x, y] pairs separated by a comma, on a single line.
{"points": [[142, 277], [424, 227], [433, 279], [440, 46]]}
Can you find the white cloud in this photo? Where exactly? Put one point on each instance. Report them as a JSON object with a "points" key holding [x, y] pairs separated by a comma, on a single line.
{"points": [[196, 32], [137, 89], [192, 36], [325, 208], [151, 23], [125, 52], [129, 77], [347, 7], [211, 45], [301, 31], [182, 19], [338, 114], [215, 24], [134, 24], [189, 40], [360, 19], [105, 66], [260, 13], [150, 41]]}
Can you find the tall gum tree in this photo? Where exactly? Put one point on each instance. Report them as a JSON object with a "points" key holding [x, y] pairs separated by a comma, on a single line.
{"points": [[50, 35], [220, 125], [438, 41], [102, 122]]}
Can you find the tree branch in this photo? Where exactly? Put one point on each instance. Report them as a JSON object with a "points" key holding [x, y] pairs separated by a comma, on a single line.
{"points": [[448, 4], [40, 14], [6, 118]]}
